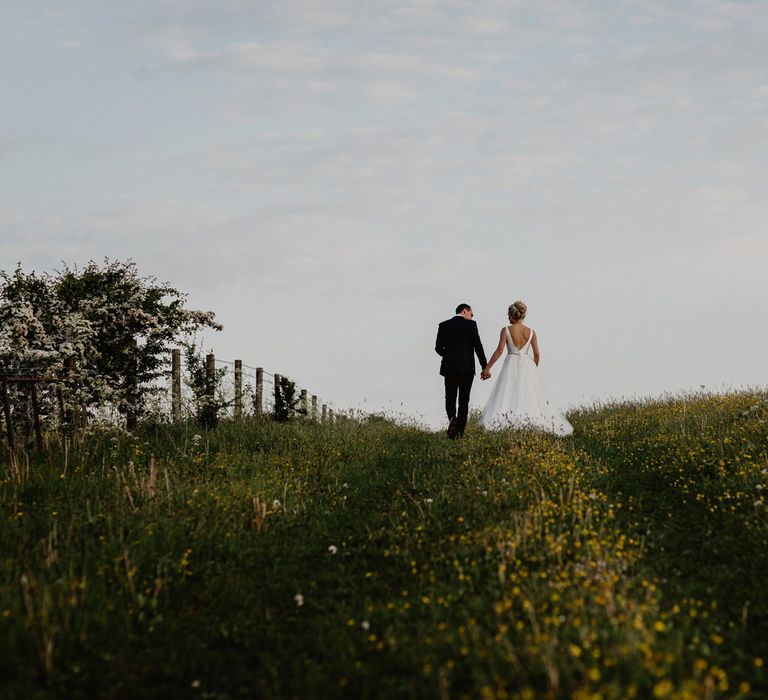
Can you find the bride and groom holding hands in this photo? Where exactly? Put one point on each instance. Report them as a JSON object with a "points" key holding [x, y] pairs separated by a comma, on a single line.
{"points": [[518, 398]]}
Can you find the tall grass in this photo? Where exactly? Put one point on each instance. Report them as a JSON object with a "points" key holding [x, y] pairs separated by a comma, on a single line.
{"points": [[370, 559]]}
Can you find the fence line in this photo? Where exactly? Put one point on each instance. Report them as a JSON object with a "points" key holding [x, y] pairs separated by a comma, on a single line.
{"points": [[237, 387], [71, 417], [239, 391]]}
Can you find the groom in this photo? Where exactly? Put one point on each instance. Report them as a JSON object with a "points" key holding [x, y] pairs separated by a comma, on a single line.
{"points": [[457, 340]]}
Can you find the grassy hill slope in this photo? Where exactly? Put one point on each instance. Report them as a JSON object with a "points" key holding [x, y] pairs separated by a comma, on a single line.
{"points": [[372, 560]]}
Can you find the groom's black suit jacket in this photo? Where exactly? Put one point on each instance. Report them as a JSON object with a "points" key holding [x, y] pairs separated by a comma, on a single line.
{"points": [[457, 341]]}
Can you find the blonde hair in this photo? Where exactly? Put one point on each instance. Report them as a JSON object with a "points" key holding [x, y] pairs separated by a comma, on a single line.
{"points": [[517, 311]]}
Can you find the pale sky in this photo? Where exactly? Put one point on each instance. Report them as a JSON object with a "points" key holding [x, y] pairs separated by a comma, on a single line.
{"points": [[332, 178]]}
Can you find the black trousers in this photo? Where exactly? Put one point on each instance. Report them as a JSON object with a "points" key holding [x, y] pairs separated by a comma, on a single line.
{"points": [[458, 383]]}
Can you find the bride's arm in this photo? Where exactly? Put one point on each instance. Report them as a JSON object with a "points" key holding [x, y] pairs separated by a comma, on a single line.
{"points": [[496, 353], [535, 346]]}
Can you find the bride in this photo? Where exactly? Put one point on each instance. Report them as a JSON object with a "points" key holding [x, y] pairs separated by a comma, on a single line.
{"points": [[518, 398]]}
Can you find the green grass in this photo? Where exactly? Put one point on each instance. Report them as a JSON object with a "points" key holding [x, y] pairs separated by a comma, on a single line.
{"points": [[627, 560]]}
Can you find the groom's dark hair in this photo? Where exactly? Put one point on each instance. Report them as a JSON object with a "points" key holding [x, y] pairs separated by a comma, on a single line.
{"points": [[461, 308]]}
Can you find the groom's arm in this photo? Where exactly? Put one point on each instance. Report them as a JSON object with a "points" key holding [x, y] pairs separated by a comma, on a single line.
{"points": [[440, 342], [479, 348]]}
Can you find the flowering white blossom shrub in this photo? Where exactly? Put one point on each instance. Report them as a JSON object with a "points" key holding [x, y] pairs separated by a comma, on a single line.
{"points": [[116, 326]]}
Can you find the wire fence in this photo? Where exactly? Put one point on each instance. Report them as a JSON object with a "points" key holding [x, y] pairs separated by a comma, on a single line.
{"points": [[34, 403], [239, 390]]}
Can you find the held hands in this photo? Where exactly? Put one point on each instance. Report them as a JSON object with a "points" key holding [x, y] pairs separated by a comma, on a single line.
{"points": [[485, 374]]}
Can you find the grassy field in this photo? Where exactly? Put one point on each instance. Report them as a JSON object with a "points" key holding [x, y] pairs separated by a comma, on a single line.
{"points": [[371, 560]]}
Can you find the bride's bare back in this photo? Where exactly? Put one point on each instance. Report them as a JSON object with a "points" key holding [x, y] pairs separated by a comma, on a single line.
{"points": [[519, 333]]}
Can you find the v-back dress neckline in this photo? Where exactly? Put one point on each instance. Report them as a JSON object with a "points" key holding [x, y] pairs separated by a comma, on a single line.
{"points": [[512, 342]]}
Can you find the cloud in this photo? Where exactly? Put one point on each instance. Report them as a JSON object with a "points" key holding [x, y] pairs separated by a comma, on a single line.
{"points": [[72, 43], [204, 247], [355, 155]]}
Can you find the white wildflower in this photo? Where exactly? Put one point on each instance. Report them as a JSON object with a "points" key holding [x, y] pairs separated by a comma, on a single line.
{"points": [[428, 501], [299, 600], [276, 504], [365, 625], [332, 548]]}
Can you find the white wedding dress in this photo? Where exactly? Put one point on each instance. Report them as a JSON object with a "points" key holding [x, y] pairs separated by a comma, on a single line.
{"points": [[518, 398]]}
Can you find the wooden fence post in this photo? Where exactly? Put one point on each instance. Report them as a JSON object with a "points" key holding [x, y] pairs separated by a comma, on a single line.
{"points": [[330, 415], [303, 402], [176, 385], [238, 389], [275, 410], [7, 413], [258, 400], [325, 413], [314, 407]]}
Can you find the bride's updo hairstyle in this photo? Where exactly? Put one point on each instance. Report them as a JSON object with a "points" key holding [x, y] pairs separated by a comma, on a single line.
{"points": [[517, 311]]}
